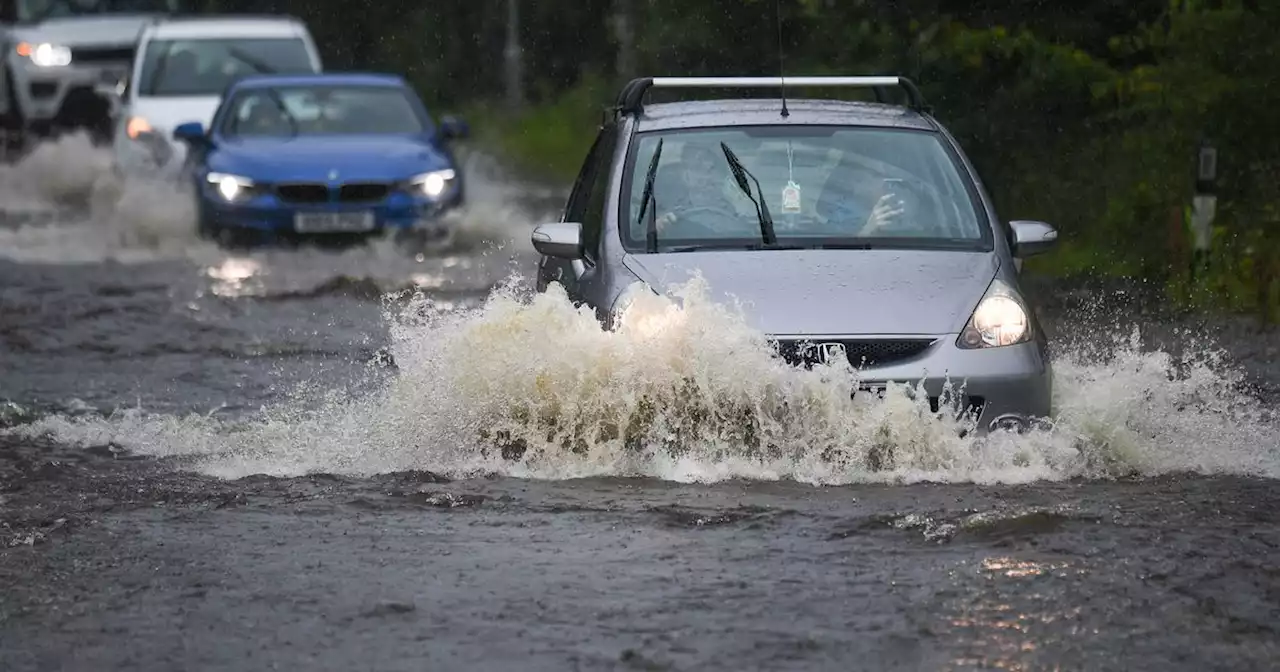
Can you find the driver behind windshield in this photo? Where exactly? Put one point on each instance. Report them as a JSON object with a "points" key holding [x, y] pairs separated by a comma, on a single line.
{"points": [[259, 115], [692, 190], [857, 196]]}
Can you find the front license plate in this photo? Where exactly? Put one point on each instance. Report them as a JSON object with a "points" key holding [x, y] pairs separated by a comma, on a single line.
{"points": [[333, 222]]}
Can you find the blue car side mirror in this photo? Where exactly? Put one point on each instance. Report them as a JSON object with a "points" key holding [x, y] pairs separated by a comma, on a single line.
{"points": [[453, 128], [191, 132]]}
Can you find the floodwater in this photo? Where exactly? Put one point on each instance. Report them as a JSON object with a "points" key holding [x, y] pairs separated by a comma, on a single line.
{"points": [[212, 460]]}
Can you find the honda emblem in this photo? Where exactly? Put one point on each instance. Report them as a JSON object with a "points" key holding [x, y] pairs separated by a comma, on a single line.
{"points": [[830, 352]]}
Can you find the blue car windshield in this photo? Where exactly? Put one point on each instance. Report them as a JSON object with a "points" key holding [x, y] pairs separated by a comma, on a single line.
{"points": [[39, 10], [290, 111], [822, 186], [205, 67]]}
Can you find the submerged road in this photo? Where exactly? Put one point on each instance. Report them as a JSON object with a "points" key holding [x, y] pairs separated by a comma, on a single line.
{"points": [[151, 519]]}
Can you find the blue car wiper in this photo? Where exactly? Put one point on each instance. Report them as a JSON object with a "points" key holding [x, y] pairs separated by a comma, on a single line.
{"points": [[275, 98]]}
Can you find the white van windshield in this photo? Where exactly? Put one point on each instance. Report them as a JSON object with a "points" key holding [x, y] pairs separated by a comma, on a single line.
{"points": [[205, 67]]}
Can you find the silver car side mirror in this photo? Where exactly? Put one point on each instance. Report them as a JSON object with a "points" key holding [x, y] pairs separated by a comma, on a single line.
{"points": [[1032, 238], [562, 240]]}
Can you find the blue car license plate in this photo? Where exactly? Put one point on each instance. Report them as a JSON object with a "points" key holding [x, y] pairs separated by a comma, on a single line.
{"points": [[333, 222]]}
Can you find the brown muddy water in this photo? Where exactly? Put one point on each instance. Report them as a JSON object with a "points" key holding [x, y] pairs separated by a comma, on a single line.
{"points": [[216, 460]]}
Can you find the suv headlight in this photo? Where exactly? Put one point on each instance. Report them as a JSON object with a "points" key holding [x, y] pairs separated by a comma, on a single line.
{"points": [[433, 184], [1000, 319], [232, 188], [45, 54]]}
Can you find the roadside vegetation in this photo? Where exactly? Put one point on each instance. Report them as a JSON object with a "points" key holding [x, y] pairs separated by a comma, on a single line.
{"points": [[1087, 115]]}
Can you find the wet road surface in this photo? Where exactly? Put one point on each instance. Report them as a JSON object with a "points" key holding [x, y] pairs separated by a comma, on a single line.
{"points": [[121, 547]]}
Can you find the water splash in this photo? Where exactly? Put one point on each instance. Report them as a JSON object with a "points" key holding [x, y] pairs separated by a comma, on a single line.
{"points": [[64, 203], [690, 393]]}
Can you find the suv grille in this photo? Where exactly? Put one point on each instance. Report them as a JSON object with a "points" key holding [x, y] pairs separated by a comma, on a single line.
{"points": [[356, 192], [101, 54], [860, 352]]}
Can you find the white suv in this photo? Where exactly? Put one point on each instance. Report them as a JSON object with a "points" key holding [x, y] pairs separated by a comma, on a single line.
{"points": [[58, 58], [182, 67]]}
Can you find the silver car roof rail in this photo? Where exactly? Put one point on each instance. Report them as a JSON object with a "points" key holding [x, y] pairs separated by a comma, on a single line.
{"points": [[629, 99]]}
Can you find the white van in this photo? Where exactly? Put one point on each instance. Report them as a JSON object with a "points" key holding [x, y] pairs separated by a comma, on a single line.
{"points": [[180, 70]]}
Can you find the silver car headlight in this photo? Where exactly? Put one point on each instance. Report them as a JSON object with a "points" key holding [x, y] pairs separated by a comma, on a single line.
{"points": [[622, 304], [232, 188], [45, 54], [1000, 319], [433, 184]]}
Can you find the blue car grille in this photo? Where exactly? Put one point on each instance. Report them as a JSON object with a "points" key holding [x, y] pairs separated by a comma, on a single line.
{"points": [[317, 192]]}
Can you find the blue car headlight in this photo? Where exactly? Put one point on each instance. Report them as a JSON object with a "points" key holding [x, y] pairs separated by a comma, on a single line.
{"points": [[433, 184], [232, 188]]}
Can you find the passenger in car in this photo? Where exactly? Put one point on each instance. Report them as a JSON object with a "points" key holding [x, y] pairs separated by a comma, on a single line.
{"points": [[857, 197]]}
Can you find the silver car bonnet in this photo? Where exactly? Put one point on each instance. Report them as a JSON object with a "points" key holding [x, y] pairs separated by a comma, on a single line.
{"points": [[834, 292], [96, 29]]}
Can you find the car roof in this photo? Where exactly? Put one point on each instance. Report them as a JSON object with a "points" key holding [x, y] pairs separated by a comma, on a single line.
{"points": [[212, 27], [320, 79], [767, 111]]}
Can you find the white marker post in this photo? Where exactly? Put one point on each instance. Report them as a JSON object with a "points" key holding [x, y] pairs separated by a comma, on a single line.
{"points": [[1203, 206]]}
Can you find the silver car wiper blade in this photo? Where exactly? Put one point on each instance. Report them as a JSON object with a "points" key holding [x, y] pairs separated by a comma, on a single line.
{"points": [[651, 227], [749, 247], [774, 246], [740, 175], [842, 246]]}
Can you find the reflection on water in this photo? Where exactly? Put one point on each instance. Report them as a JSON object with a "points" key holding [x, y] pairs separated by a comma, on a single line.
{"points": [[1020, 568], [236, 277], [1001, 631]]}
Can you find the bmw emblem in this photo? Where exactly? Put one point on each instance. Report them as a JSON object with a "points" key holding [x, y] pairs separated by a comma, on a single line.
{"points": [[333, 174]]}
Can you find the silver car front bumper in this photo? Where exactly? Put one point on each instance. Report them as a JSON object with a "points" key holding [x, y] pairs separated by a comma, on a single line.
{"points": [[52, 94], [1009, 387]]}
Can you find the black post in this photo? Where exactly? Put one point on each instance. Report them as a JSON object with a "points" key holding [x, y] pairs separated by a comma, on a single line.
{"points": [[1203, 204]]}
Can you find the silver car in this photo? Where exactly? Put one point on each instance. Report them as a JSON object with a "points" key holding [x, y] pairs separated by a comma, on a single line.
{"points": [[847, 229]]}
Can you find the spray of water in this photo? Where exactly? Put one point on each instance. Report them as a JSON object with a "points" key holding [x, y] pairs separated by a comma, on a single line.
{"points": [[527, 385], [64, 203]]}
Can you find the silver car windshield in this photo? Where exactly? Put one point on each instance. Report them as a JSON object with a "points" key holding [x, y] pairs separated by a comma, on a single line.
{"points": [[821, 185]]}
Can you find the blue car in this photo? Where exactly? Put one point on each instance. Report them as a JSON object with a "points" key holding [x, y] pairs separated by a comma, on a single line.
{"points": [[322, 154]]}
